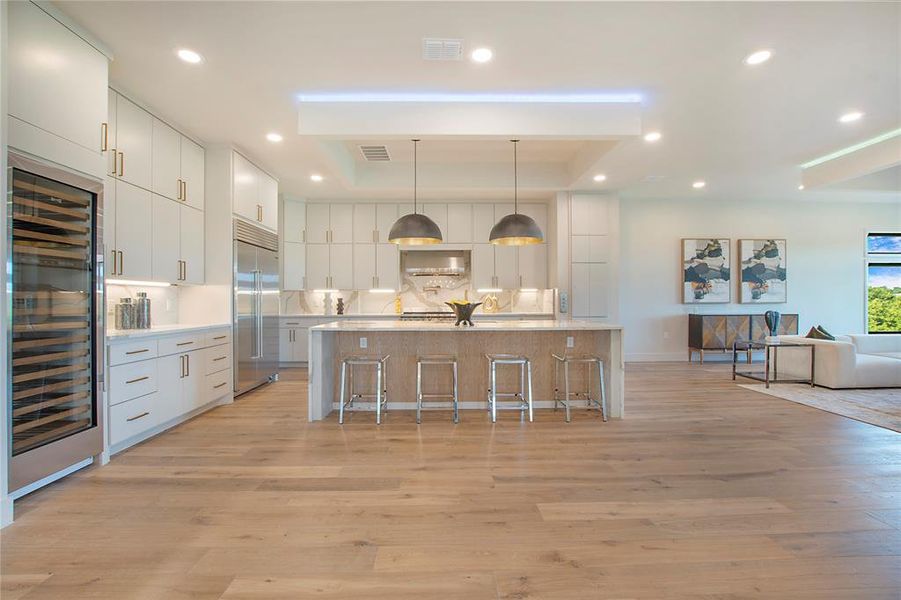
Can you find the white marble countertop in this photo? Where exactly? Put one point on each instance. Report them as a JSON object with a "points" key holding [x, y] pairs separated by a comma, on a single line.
{"points": [[482, 325], [120, 334], [363, 317]]}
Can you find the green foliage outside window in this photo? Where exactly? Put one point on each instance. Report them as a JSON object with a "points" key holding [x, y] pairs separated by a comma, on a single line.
{"points": [[884, 309]]}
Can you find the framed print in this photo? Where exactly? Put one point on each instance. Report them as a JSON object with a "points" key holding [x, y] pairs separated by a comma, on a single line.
{"points": [[706, 271], [764, 270]]}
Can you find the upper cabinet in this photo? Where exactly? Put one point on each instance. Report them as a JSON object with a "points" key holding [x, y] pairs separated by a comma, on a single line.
{"points": [[133, 145], [57, 86], [331, 224], [255, 193], [176, 166]]}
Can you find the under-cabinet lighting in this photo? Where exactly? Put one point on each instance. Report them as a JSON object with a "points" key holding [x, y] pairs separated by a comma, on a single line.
{"points": [[528, 289], [325, 291], [137, 283], [489, 290], [381, 291]]}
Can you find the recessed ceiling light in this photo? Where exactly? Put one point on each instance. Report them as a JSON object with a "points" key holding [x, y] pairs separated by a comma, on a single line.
{"points": [[482, 55], [189, 56], [653, 136], [600, 177], [699, 184], [759, 57], [801, 187], [850, 117], [316, 177], [274, 137]]}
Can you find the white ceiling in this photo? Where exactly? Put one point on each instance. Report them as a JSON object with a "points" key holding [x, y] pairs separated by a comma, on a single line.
{"points": [[743, 129]]}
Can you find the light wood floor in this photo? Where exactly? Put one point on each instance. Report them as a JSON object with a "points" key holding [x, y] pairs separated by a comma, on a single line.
{"points": [[706, 490]]}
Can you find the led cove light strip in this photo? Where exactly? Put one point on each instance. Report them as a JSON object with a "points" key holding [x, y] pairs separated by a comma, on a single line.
{"points": [[600, 98], [845, 151]]}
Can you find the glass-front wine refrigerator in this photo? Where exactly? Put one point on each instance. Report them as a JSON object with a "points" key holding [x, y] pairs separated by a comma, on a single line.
{"points": [[55, 290]]}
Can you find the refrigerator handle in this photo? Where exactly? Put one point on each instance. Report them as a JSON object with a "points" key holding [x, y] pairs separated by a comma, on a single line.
{"points": [[258, 312]]}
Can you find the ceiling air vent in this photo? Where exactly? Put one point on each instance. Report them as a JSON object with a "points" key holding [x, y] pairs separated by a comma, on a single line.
{"points": [[375, 153], [442, 49]]}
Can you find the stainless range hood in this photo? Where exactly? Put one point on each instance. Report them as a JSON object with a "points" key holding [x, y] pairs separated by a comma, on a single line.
{"points": [[434, 263]]}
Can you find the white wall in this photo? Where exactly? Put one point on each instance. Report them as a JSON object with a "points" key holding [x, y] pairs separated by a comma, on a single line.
{"points": [[6, 505], [825, 256]]}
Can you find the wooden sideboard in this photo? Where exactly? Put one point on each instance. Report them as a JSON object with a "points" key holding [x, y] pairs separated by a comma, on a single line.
{"points": [[719, 332]]}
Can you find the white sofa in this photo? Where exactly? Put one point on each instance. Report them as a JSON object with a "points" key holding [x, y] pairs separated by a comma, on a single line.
{"points": [[851, 361]]}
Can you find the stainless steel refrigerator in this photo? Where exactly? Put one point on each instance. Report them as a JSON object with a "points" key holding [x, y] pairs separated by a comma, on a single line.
{"points": [[56, 310], [255, 306]]}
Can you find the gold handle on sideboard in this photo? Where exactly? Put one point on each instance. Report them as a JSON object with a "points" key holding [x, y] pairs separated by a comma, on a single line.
{"points": [[140, 416]]}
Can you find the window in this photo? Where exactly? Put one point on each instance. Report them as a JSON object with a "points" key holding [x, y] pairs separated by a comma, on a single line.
{"points": [[884, 283]]}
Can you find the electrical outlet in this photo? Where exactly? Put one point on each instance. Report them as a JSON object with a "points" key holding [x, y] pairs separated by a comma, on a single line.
{"points": [[364, 343], [570, 341]]}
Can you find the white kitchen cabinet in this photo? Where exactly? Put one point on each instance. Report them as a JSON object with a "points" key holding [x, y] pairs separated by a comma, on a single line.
{"points": [[109, 141], [364, 266], [590, 293], [341, 223], [482, 222], [109, 225], [134, 242], [590, 248], [294, 338], [341, 266], [246, 188], [294, 266], [165, 240], [192, 171], [437, 213], [385, 217], [589, 215], [532, 263], [459, 224], [482, 266], [268, 201], [318, 218], [57, 86], [387, 267], [538, 212], [330, 266], [134, 143], [317, 266], [364, 223], [191, 245], [166, 161], [506, 271], [294, 221]]}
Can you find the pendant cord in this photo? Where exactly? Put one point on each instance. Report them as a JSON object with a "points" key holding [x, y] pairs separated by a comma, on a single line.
{"points": [[415, 172], [515, 180]]}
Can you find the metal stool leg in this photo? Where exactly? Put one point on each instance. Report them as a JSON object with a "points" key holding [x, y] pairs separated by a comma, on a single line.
{"points": [[529, 369], [384, 365], [341, 399], [603, 390], [418, 392], [378, 394], [556, 382], [493, 399], [456, 414], [566, 391]]}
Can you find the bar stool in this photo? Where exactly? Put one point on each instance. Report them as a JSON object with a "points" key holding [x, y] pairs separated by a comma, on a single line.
{"points": [[525, 373], [586, 359], [381, 384], [435, 360]]}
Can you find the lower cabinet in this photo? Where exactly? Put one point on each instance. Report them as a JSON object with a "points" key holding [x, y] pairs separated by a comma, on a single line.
{"points": [[294, 337], [189, 371]]}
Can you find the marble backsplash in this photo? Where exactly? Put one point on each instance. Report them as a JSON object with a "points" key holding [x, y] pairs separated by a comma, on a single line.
{"points": [[415, 295], [163, 302]]}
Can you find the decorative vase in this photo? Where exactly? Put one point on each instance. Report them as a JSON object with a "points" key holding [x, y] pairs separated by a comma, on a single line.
{"points": [[463, 312], [772, 318], [340, 308]]}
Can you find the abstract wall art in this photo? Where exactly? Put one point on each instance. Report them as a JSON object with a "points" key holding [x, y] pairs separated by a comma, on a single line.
{"points": [[705, 271], [763, 271]]}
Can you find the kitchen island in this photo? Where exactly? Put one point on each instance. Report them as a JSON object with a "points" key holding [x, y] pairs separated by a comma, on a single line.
{"points": [[405, 340]]}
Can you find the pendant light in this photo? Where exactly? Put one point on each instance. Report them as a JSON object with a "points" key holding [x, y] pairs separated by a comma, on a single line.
{"points": [[415, 229], [516, 229]]}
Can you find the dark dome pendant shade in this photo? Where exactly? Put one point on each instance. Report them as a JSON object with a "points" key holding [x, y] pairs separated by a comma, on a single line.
{"points": [[516, 229], [415, 229]]}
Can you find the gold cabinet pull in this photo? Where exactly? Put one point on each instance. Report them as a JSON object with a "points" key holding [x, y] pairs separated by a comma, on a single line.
{"points": [[113, 272], [184, 343], [219, 385], [220, 358], [137, 351], [140, 416], [220, 337], [104, 129], [121, 263], [121, 164], [184, 190], [115, 155], [188, 363], [138, 379]]}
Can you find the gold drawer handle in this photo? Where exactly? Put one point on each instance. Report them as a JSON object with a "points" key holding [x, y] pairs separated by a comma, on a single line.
{"points": [[184, 344], [220, 337], [140, 416], [137, 351], [138, 379], [220, 358], [215, 387]]}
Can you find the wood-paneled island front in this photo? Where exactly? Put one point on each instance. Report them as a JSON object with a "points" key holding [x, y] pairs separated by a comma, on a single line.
{"points": [[405, 340]]}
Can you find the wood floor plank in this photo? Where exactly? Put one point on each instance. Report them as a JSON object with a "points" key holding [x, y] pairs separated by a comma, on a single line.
{"points": [[706, 490]]}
